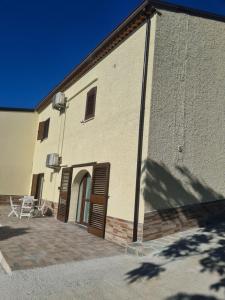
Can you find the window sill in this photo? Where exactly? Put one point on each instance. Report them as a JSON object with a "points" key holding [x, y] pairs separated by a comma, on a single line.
{"points": [[44, 139], [87, 120]]}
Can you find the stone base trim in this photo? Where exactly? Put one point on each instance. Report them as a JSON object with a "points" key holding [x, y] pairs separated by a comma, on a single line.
{"points": [[4, 199], [53, 208], [120, 231], [164, 222]]}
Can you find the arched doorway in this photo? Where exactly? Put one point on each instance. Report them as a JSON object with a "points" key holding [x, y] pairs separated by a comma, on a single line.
{"points": [[83, 201]]}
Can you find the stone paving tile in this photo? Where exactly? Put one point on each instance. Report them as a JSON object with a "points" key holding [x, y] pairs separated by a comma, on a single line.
{"points": [[159, 244], [40, 242]]}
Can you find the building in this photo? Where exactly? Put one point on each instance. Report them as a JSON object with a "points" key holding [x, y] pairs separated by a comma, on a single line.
{"points": [[139, 143]]}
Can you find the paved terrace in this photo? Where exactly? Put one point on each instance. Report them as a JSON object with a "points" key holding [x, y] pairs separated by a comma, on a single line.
{"points": [[41, 242]]}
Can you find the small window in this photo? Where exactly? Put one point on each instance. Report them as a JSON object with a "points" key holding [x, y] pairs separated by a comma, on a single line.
{"points": [[46, 128], [90, 104], [43, 130]]}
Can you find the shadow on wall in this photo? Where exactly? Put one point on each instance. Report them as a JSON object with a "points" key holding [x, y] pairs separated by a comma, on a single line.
{"points": [[162, 190]]}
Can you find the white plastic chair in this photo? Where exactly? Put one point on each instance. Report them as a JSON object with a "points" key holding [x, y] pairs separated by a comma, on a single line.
{"points": [[15, 208], [27, 207], [40, 208]]}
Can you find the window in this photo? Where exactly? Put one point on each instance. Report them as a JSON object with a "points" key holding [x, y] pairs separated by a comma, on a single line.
{"points": [[46, 128], [43, 130], [90, 104], [37, 185]]}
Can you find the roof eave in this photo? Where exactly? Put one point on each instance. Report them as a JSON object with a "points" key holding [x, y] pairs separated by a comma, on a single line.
{"points": [[90, 61]]}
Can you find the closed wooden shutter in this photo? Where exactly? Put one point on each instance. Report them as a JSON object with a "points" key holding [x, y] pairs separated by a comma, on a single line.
{"points": [[34, 185], [41, 129], [46, 128], [90, 103], [64, 195], [99, 199], [39, 188]]}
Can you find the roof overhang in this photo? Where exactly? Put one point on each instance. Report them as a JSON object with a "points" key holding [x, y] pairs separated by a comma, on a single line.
{"points": [[16, 109], [123, 31]]}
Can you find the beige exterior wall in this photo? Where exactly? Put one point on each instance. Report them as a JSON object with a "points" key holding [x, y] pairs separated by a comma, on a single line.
{"points": [[112, 136], [186, 141], [17, 132]]}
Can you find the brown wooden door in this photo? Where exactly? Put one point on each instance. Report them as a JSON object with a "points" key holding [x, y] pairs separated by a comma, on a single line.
{"points": [[37, 185], [34, 185], [99, 199], [64, 195], [39, 188]]}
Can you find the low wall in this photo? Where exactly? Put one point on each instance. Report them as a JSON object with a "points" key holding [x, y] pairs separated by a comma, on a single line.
{"points": [[4, 199], [121, 231], [164, 222]]}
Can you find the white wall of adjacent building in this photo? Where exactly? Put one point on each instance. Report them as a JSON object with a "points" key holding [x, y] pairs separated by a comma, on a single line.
{"points": [[18, 131]]}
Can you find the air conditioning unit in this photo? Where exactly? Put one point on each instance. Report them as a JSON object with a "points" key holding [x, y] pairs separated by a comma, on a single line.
{"points": [[59, 101], [53, 160]]}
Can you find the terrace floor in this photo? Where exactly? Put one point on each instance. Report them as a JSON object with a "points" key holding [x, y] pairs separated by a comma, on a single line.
{"points": [[41, 242]]}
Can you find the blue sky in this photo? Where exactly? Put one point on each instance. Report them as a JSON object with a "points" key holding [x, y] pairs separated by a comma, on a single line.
{"points": [[41, 41]]}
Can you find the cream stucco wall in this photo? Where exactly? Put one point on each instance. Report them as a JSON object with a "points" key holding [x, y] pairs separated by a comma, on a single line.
{"points": [[52, 144], [112, 136], [18, 133], [186, 141]]}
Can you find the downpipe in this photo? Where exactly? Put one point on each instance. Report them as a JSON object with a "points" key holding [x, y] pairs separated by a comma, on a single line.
{"points": [[148, 12]]}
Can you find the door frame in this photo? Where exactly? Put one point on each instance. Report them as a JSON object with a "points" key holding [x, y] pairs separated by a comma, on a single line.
{"points": [[89, 229], [35, 186], [69, 187], [81, 217], [39, 188]]}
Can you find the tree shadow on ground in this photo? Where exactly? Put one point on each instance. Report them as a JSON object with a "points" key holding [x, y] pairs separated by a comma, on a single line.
{"points": [[161, 189], [208, 243], [212, 257], [146, 270], [7, 232], [182, 296]]}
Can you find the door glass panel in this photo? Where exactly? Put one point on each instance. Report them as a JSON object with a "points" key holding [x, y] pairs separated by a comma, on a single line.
{"points": [[79, 201], [87, 200]]}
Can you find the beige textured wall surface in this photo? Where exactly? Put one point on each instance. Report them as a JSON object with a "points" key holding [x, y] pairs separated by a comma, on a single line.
{"points": [[52, 144], [111, 136], [186, 143], [18, 132]]}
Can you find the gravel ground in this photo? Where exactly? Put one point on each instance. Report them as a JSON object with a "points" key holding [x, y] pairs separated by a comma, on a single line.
{"points": [[108, 279], [188, 271]]}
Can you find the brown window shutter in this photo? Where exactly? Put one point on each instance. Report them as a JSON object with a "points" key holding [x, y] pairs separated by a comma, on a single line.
{"points": [[41, 131], [34, 185], [46, 128], [99, 199], [90, 103], [64, 195]]}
